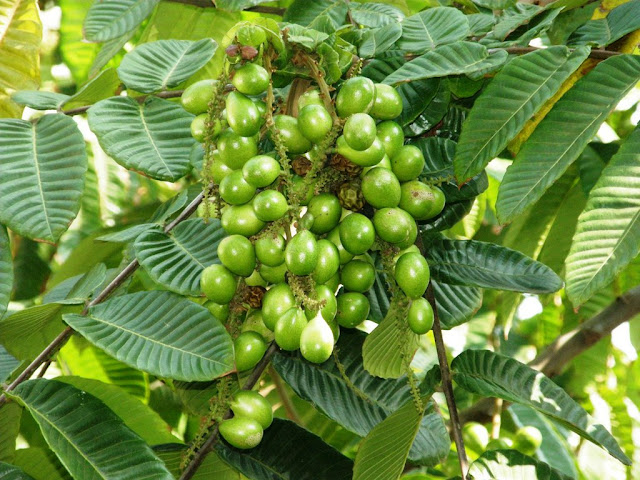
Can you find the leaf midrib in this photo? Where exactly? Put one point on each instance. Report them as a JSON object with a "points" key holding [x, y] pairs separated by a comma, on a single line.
{"points": [[39, 179], [152, 140], [172, 69]]}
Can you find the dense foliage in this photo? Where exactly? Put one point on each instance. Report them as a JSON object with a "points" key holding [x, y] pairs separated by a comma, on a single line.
{"points": [[319, 239]]}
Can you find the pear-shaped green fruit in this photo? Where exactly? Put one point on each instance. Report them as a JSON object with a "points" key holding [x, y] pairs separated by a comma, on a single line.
{"points": [[328, 261], [249, 348], [241, 219], [238, 254], [328, 311], [251, 79], [218, 284], [275, 303], [420, 316], [289, 329], [242, 432], [316, 341], [242, 114], [250, 404], [301, 254], [355, 96], [412, 274]]}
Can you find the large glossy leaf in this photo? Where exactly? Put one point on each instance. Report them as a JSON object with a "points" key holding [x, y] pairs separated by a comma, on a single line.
{"points": [[152, 138], [41, 463], [39, 100], [288, 452], [432, 27], [176, 261], [164, 334], [455, 59], [512, 465], [564, 132], [77, 55], [608, 232], [380, 39], [212, 468], [109, 50], [27, 332], [384, 451], [513, 96], [10, 472], [604, 31], [303, 12], [363, 401], [89, 439], [493, 375], [486, 265], [163, 64], [456, 304], [101, 87], [109, 19], [20, 35], [42, 167], [6, 271]]}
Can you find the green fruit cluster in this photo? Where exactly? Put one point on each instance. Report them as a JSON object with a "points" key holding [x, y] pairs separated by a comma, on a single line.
{"points": [[252, 414], [292, 235]]}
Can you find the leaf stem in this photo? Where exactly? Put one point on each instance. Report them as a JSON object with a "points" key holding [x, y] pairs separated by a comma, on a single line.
{"points": [[208, 445]]}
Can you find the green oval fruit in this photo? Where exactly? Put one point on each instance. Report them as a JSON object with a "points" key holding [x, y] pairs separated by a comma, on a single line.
{"points": [[316, 341], [408, 249], [326, 211], [387, 103], [475, 436], [301, 253], [276, 301], [527, 440], [353, 309], [407, 163], [199, 128], [249, 348], [218, 169], [334, 237], [417, 199], [357, 276], [412, 274], [242, 114], [218, 284], [241, 432], [438, 202], [254, 323], [235, 149], [241, 220], [384, 163], [359, 131], [333, 283], [357, 233], [251, 35], [221, 312], [250, 404], [413, 234], [324, 294], [290, 134], [328, 261], [381, 188], [420, 316], [196, 97], [289, 328], [237, 254], [355, 96], [251, 79], [270, 205], [366, 158], [310, 97], [392, 225], [270, 250], [235, 190], [277, 274], [261, 171], [391, 136], [314, 122]]}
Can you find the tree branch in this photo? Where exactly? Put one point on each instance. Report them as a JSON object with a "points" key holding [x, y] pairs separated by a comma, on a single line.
{"points": [[208, 445], [565, 348], [61, 339]]}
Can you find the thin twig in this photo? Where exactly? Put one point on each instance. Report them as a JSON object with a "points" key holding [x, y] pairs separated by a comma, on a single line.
{"points": [[140, 99], [208, 445], [44, 368], [287, 404]]}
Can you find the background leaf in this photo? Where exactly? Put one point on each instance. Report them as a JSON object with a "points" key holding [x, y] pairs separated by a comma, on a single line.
{"points": [[620, 21], [101, 87], [176, 261], [158, 137], [10, 416], [432, 27], [39, 100], [6, 272], [109, 19], [163, 64], [165, 334], [41, 463], [212, 467], [10, 472], [303, 12], [511, 465], [70, 421], [77, 55], [456, 304], [42, 168]]}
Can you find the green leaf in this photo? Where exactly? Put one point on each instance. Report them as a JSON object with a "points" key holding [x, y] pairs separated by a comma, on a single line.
{"points": [[77, 55], [486, 265], [303, 12], [554, 450], [7, 364], [452, 214], [608, 232], [10, 416], [101, 87], [89, 439], [176, 261], [432, 27], [128, 234], [165, 334], [456, 304], [135, 414], [378, 296], [9, 472], [39, 100], [620, 21], [513, 97], [163, 64], [42, 167], [556, 142], [108, 51], [212, 468], [456, 59], [6, 271], [512, 465], [490, 374], [41, 463], [433, 113], [19, 50], [379, 40], [384, 451], [305, 37], [288, 451], [362, 401], [158, 138], [495, 4], [237, 5], [87, 284], [375, 15], [109, 19]]}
